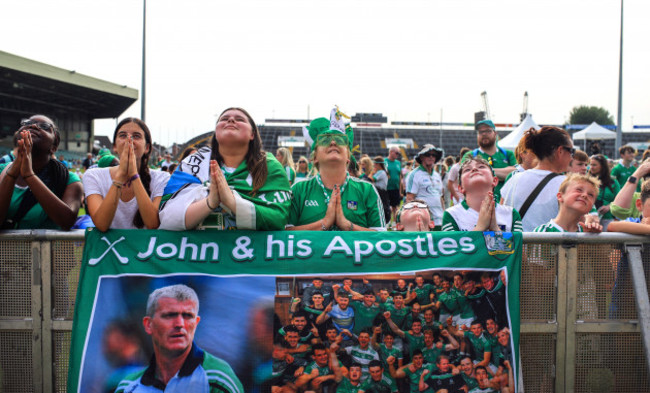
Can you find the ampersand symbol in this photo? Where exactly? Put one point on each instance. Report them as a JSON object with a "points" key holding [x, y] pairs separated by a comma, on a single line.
{"points": [[242, 252]]}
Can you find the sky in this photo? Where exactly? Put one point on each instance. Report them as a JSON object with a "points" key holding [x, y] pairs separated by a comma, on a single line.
{"points": [[411, 60]]}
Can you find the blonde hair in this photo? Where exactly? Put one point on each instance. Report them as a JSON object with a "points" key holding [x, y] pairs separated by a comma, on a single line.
{"points": [[366, 163], [287, 159], [575, 178]]}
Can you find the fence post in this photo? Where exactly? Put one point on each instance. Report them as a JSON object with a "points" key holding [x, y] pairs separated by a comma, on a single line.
{"points": [[640, 294], [37, 315]]}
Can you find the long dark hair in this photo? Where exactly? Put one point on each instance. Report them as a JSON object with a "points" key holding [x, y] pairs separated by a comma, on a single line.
{"points": [[546, 140], [603, 175], [255, 156], [143, 171]]}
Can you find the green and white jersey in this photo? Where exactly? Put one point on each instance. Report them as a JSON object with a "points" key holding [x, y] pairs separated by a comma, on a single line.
{"points": [[429, 188], [363, 357], [414, 378], [449, 303], [621, 172], [325, 370], [291, 174], [266, 210], [397, 315], [345, 386], [360, 203], [501, 159], [551, 226], [384, 385], [363, 315], [471, 383], [431, 354], [480, 345], [394, 169], [466, 310], [415, 342], [423, 293], [463, 218]]}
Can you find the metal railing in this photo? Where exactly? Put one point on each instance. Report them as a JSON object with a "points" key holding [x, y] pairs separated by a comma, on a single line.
{"points": [[580, 331]]}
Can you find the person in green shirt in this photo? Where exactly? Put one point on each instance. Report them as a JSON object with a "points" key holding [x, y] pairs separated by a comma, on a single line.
{"points": [[283, 155], [334, 200], [36, 190], [625, 167], [351, 383], [324, 370], [503, 161], [378, 382], [609, 188]]}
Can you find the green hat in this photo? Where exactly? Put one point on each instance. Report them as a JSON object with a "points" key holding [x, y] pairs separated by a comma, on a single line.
{"points": [[336, 124], [486, 122], [103, 152], [107, 160]]}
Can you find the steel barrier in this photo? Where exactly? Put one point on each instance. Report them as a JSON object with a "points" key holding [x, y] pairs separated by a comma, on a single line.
{"points": [[579, 326]]}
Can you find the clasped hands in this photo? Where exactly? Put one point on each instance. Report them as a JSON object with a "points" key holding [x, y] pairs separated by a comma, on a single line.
{"points": [[220, 192], [22, 165], [334, 214]]}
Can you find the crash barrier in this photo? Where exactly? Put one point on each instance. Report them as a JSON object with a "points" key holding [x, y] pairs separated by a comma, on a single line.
{"points": [[580, 330]]}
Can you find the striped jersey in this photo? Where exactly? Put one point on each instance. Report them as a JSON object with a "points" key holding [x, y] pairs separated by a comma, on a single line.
{"points": [[461, 217]]}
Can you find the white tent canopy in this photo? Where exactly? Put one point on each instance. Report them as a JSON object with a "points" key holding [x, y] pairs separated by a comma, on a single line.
{"points": [[593, 132], [511, 141]]}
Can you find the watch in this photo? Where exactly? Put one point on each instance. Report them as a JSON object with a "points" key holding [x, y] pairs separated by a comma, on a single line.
{"points": [[632, 179]]}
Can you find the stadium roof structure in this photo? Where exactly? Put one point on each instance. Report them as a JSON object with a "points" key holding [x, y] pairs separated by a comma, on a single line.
{"points": [[25, 84]]}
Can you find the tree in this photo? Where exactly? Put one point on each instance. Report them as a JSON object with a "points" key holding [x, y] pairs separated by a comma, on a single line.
{"points": [[587, 114]]}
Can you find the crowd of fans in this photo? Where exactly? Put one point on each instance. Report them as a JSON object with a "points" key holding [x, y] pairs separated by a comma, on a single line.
{"points": [[412, 337]]}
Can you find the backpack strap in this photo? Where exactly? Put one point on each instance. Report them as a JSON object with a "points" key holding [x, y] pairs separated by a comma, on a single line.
{"points": [[533, 195]]}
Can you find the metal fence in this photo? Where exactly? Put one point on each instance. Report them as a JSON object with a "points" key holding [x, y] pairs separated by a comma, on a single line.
{"points": [[579, 326]]}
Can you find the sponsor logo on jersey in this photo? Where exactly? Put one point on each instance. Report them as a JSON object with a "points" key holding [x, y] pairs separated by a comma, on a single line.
{"points": [[311, 202], [352, 205]]}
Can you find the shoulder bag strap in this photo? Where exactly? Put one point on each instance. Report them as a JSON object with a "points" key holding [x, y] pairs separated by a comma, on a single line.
{"points": [[533, 195]]}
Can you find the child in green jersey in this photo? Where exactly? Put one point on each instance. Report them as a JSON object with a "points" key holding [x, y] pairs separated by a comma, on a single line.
{"points": [[576, 196]]}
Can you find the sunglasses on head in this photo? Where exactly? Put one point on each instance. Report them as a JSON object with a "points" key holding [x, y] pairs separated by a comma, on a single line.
{"points": [[415, 205], [42, 125], [326, 139]]}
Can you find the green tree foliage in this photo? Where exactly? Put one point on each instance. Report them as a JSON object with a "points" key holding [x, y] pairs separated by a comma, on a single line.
{"points": [[588, 114]]}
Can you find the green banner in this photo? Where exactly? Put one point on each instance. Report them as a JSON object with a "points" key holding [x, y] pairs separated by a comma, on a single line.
{"points": [[246, 280]]}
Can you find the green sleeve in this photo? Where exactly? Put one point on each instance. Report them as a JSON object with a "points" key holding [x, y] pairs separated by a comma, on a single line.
{"points": [[272, 214], [73, 178], [375, 216], [512, 161], [622, 213], [517, 226], [297, 194], [448, 222]]}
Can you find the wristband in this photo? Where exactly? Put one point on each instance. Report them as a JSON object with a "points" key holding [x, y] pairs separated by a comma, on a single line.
{"points": [[27, 177], [118, 184], [12, 176], [207, 202], [128, 182]]}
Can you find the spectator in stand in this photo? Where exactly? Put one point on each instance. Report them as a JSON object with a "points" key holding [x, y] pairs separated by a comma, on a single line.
{"points": [[579, 163], [425, 183], [367, 168], [333, 199], [88, 161], [302, 172], [284, 156], [533, 192], [627, 202], [248, 187], [166, 163], [445, 170], [639, 225], [380, 179], [126, 196], [478, 211], [609, 188], [526, 159], [625, 166], [12, 154], [503, 161], [395, 186], [453, 178], [36, 190]]}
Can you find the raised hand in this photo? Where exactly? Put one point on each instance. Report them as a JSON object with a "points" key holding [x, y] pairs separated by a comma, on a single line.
{"points": [[26, 148]]}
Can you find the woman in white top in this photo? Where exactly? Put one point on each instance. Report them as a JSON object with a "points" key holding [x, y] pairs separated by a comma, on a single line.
{"points": [[380, 178], [126, 196]]}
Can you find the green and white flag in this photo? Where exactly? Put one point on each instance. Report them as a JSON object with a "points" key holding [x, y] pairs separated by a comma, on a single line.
{"points": [[242, 279]]}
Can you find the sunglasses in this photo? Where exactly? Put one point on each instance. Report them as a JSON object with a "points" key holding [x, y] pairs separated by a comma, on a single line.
{"points": [[570, 150], [415, 205], [41, 125], [326, 139], [302, 162]]}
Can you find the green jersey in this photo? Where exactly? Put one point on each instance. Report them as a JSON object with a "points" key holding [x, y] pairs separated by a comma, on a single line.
{"points": [[551, 226], [480, 345], [291, 174], [397, 315], [363, 315], [431, 354], [471, 383], [466, 310], [325, 370], [360, 203], [345, 386], [621, 172], [414, 378], [461, 217], [385, 352], [424, 293], [501, 159], [449, 303], [394, 169], [415, 342], [384, 385], [606, 195], [363, 357]]}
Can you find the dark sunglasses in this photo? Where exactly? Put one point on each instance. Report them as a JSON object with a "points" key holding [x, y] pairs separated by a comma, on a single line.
{"points": [[41, 125], [570, 150]]}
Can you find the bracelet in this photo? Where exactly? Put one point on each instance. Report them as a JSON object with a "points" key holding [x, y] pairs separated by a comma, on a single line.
{"points": [[118, 184], [351, 226], [10, 175], [27, 177], [323, 227], [207, 202], [128, 182]]}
